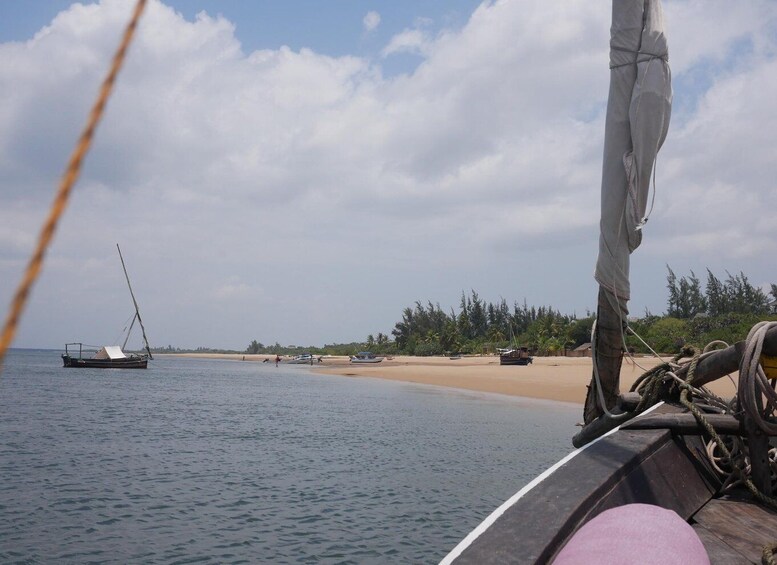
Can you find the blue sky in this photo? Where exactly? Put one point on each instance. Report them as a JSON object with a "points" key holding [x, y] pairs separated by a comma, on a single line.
{"points": [[334, 28], [306, 194]]}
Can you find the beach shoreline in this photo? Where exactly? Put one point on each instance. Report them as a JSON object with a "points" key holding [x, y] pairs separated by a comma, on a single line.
{"points": [[562, 379]]}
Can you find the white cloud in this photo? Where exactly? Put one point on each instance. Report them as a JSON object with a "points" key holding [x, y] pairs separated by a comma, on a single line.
{"points": [[371, 21], [409, 41], [319, 180]]}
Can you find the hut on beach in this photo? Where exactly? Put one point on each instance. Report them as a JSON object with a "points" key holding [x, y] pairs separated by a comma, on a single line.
{"points": [[583, 350]]}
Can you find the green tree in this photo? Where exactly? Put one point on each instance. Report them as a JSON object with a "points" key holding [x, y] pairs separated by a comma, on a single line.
{"points": [[478, 317], [686, 299], [668, 335], [744, 297], [717, 298], [672, 307]]}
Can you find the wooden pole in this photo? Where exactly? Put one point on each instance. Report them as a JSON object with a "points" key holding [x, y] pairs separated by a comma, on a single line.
{"points": [[685, 423], [608, 357], [724, 361]]}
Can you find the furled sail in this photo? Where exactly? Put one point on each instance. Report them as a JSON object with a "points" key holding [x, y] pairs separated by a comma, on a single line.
{"points": [[638, 111]]}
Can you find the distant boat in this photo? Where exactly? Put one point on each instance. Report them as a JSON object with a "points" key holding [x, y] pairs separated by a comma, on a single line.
{"points": [[302, 359], [111, 356], [365, 357], [518, 356], [108, 357]]}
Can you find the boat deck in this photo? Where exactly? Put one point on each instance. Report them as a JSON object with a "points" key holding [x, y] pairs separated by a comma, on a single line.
{"points": [[734, 530]]}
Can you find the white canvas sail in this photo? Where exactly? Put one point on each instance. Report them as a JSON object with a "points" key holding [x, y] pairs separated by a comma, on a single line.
{"points": [[638, 110]]}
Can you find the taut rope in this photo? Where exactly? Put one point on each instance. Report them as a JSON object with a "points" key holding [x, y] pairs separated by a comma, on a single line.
{"points": [[65, 186]]}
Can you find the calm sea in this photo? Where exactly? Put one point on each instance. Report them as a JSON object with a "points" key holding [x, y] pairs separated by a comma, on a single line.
{"points": [[197, 461]]}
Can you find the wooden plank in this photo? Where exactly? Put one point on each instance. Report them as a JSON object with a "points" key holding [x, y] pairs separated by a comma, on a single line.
{"points": [[668, 478], [742, 525], [719, 552]]}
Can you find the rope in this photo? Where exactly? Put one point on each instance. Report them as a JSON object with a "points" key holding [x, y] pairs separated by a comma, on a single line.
{"points": [[739, 470], [767, 557], [65, 186], [753, 384]]}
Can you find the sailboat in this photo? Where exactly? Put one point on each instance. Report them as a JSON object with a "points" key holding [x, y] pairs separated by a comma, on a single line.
{"points": [[111, 356], [514, 355]]}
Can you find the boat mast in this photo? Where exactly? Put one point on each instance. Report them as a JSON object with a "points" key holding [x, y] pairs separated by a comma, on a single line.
{"points": [[135, 302]]}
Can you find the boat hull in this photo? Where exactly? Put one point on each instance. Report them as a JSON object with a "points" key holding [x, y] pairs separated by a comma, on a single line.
{"points": [[365, 357], [657, 467], [507, 360], [136, 362], [631, 466]]}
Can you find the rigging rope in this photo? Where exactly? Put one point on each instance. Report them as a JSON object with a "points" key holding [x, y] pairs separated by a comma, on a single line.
{"points": [[65, 187], [753, 384]]}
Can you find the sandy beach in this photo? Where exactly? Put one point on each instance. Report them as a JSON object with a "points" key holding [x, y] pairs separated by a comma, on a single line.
{"points": [[551, 378]]}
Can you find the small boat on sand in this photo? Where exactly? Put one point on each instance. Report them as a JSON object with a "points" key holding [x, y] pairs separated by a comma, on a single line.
{"points": [[365, 357], [301, 359], [518, 356]]}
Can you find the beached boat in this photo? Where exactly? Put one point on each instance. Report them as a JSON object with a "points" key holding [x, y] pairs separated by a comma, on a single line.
{"points": [[668, 473], [517, 356], [111, 356], [365, 357], [301, 359]]}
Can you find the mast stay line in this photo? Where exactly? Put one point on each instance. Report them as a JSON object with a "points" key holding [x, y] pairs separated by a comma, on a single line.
{"points": [[135, 302]]}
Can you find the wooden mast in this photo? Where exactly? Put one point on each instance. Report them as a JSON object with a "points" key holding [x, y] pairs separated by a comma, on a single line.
{"points": [[607, 353], [135, 302]]}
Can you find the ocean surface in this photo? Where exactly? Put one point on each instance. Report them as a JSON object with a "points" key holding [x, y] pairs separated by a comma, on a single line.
{"points": [[203, 461]]}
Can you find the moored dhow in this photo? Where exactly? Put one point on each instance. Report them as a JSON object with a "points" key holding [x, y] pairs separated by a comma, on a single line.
{"points": [[107, 357]]}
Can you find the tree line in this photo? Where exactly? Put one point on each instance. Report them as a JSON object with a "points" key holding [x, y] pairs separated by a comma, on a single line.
{"points": [[481, 326], [724, 309], [734, 295]]}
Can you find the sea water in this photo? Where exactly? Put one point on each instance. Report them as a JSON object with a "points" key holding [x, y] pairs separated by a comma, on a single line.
{"points": [[213, 461]]}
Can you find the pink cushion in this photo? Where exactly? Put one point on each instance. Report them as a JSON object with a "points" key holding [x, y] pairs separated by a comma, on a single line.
{"points": [[634, 533]]}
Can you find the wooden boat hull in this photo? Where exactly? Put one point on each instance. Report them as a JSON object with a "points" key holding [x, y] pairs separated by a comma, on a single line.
{"points": [[630, 466], [135, 362]]}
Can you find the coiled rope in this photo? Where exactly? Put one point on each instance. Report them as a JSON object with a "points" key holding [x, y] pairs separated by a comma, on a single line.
{"points": [[65, 187], [753, 384]]}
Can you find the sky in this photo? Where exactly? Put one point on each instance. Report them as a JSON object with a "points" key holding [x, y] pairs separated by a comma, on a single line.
{"points": [[300, 172]]}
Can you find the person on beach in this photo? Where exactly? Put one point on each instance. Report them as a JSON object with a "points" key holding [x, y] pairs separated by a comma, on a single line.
{"points": [[277, 360]]}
